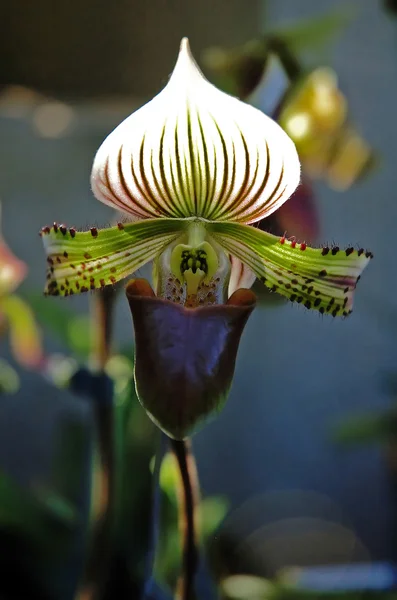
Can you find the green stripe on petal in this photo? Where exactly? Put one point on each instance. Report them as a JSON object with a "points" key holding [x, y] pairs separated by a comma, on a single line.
{"points": [[323, 279], [80, 261]]}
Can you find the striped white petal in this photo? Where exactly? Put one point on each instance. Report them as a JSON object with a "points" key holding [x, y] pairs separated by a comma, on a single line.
{"points": [[241, 276], [196, 151]]}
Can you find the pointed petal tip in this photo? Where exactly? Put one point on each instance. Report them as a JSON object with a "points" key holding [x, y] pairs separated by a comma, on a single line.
{"points": [[185, 46], [186, 66]]}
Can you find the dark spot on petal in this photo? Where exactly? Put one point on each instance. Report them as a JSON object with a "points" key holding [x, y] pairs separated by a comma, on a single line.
{"points": [[323, 273], [87, 255], [63, 229], [293, 298], [72, 232], [94, 231], [299, 299], [335, 311], [335, 250], [360, 252], [346, 290], [308, 304], [369, 254], [83, 288], [65, 254], [113, 270], [349, 251], [120, 226], [317, 302], [56, 228], [325, 251], [113, 279], [321, 309]]}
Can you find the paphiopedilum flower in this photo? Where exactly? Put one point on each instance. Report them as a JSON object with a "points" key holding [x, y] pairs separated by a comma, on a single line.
{"points": [[194, 170], [15, 314]]}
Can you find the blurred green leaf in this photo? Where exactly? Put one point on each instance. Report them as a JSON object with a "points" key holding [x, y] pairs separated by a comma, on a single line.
{"points": [[9, 380], [79, 335], [72, 330], [25, 338], [169, 476], [247, 587], [212, 512], [363, 429], [309, 34], [56, 506], [29, 514]]}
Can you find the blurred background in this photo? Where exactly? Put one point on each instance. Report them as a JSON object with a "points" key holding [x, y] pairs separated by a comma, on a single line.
{"points": [[303, 460]]}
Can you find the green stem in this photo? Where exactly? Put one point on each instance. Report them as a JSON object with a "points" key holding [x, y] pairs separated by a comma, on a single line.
{"points": [[188, 503]]}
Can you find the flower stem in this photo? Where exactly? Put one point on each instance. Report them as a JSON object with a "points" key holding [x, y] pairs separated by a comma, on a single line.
{"points": [[188, 502], [102, 326], [103, 493]]}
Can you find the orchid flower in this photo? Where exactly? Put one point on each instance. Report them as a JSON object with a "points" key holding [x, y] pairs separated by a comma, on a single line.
{"points": [[193, 171], [15, 314]]}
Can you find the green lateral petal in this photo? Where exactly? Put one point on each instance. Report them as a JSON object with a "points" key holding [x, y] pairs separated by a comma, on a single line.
{"points": [[80, 261], [323, 278]]}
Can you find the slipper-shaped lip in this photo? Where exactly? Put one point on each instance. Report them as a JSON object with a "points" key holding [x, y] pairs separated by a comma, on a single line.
{"points": [[185, 357]]}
